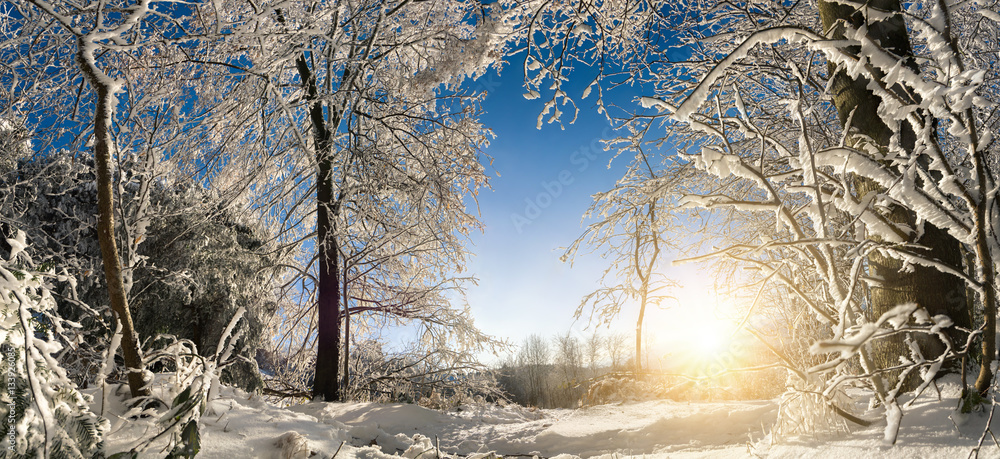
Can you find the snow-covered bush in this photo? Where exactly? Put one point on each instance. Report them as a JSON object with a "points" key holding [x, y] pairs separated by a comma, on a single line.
{"points": [[201, 267], [188, 390], [198, 262], [611, 389], [805, 410], [53, 199], [47, 416], [192, 382], [617, 388], [439, 379]]}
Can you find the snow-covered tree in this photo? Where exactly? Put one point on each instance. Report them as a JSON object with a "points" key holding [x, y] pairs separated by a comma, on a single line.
{"points": [[13, 146], [375, 93], [256, 101], [64, 42], [51, 418], [151, 90], [628, 229], [869, 159]]}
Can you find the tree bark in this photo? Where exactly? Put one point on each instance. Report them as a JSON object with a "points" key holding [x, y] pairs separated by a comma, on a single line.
{"points": [[347, 336], [985, 378], [326, 381], [103, 145], [938, 292], [326, 384]]}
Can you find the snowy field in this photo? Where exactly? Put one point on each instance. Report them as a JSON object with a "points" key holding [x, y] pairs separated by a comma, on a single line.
{"points": [[240, 426]]}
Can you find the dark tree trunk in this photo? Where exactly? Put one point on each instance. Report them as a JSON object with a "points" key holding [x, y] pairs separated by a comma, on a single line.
{"points": [[106, 224], [326, 385], [347, 336], [938, 292], [326, 381]]}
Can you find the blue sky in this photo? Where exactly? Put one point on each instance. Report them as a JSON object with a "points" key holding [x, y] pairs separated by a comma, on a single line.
{"points": [[546, 179]]}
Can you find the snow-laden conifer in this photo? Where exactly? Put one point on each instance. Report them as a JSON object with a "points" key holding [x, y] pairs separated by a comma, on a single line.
{"points": [[45, 413]]}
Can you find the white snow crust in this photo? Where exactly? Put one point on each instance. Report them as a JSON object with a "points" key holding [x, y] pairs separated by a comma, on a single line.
{"points": [[247, 427]]}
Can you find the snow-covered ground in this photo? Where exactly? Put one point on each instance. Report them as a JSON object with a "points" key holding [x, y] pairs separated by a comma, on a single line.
{"points": [[240, 426]]}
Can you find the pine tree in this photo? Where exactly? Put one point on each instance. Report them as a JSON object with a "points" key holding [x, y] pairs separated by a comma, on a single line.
{"points": [[49, 410]]}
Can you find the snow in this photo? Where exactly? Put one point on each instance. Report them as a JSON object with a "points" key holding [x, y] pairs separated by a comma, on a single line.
{"points": [[638, 428], [771, 35], [17, 244], [990, 14], [246, 426]]}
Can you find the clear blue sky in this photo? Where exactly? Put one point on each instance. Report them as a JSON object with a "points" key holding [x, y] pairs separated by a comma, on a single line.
{"points": [[547, 177]]}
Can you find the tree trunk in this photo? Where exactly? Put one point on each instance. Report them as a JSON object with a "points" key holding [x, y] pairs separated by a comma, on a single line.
{"points": [[985, 378], [326, 381], [644, 273], [103, 145], [326, 385], [347, 336], [638, 335], [938, 292]]}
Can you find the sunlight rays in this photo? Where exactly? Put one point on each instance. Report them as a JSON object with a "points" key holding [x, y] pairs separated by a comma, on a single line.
{"points": [[693, 327]]}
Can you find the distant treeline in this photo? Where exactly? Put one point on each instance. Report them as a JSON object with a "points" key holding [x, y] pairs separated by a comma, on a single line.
{"points": [[566, 372], [555, 373]]}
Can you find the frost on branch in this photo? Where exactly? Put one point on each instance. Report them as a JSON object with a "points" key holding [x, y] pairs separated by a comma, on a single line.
{"points": [[906, 318]]}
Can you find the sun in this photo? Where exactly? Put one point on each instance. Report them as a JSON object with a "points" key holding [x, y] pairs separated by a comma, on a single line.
{"points": [[711, 340], [696, 323]]}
